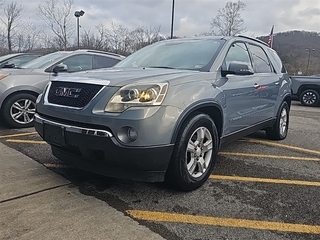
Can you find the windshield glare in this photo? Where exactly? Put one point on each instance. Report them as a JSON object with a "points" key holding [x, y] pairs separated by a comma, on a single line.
{"points": [[185, 54], [44, 61]]}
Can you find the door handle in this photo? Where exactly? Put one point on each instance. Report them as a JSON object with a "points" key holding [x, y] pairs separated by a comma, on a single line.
{"points": [[277, 83], [256, 85]]}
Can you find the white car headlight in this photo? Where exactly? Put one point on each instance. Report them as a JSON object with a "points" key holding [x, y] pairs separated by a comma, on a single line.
{"points": [[140, 95]]}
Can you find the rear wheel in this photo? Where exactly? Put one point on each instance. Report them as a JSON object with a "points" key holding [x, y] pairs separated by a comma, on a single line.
{"points": [[19, 109], [309, 97], [194, 154], [279, 130]]}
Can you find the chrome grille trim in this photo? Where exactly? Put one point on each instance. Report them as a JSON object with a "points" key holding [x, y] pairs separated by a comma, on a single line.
{"points": [[74, 129]]}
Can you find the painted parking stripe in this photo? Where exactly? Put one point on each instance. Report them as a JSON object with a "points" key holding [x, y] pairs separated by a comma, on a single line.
{"points": [[264, 180], [53, 165], [274, 144], [237, 154], [18, 135], [25, 141], [223, 222]]}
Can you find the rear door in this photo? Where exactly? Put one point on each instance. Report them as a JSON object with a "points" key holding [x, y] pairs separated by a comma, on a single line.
{"points": [[269, 84]]}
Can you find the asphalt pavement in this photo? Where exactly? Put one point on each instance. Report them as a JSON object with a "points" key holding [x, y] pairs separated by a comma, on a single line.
{"points": [[36, 203]]}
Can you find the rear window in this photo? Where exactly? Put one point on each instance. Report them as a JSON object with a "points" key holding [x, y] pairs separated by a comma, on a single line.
{"points": [[278, 65]]}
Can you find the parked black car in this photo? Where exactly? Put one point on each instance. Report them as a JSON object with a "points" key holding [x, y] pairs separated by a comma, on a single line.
{"points": [[306, 89]]}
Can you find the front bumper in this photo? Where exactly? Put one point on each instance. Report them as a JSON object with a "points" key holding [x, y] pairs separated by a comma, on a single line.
{"points": [[98, 151]]}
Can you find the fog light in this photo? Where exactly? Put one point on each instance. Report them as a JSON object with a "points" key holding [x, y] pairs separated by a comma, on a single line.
{"points": [[132, 133]]}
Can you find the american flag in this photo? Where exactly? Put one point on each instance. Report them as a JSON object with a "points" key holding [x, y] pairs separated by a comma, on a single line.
{"points": [[270, 40]]}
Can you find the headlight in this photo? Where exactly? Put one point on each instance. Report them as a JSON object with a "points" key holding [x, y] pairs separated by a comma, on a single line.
{"points": [[3, 75], [134, 95]]}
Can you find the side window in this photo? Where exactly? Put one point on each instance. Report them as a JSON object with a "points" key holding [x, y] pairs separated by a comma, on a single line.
{"points": [[277, 61], [78, 63], [103, 62], [260, 60], [238, 52]]}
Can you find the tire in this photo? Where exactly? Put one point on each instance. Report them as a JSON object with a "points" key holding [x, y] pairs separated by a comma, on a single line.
{"points": [[279, 130], [309, 97], [19, 109], [190, 167]]}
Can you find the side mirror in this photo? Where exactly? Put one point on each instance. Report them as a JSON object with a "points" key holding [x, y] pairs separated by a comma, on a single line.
{"points": [[9, 65], [237, 68], [60, 68]]}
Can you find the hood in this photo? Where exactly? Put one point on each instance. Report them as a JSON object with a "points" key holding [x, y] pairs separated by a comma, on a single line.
{"points": [[122, 76]]}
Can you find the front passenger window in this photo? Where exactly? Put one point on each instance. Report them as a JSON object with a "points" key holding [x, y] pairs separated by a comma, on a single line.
{"points": [[237, 53], [260, 60]]}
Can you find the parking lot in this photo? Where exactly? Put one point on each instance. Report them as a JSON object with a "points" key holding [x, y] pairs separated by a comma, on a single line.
{"points": [[259, 189]]}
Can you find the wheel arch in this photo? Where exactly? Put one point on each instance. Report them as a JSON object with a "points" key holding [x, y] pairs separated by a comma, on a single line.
{"points": [[304, 87], [213, 109], [34, 93]]}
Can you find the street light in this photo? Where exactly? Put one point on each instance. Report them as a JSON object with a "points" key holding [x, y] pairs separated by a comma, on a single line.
{"points": [[78, 14], [172, 17], [309, 50]]}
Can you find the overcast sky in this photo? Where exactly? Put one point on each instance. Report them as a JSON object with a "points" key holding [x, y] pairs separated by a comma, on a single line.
{"points": [[194, 16]]}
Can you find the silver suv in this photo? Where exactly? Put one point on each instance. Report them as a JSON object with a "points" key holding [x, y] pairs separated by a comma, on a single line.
{"points": [[20, 87], [162, 113]]}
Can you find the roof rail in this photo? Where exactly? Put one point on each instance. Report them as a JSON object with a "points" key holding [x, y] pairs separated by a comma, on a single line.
{"points": [[254, 39], [99, 51], [103, 52]]}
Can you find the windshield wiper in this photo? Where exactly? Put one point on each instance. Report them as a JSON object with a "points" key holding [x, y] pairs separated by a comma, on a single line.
{"points": [[161, 67]]}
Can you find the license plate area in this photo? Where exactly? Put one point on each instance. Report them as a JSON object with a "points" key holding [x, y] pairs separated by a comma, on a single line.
{"points": [[54, 134]]}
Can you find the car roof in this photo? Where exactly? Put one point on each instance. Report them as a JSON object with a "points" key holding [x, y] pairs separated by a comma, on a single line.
{"points": [[226, 38]]}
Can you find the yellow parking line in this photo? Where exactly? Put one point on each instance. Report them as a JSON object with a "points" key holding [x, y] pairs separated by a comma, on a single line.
{"points": [[274, 144], [52, 165], [268, 156], [25, 141], [223, 222], [18, 135], [265, 180]]}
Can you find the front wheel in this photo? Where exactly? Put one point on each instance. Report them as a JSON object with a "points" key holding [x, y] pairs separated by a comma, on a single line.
{"points": [[194, 154], [19, 109], [309, 97], [279, 130]]}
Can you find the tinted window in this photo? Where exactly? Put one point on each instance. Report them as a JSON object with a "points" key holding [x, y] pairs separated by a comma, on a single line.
{"points": [[78, 63], [104, 62], [238, 52], [260, 60]]}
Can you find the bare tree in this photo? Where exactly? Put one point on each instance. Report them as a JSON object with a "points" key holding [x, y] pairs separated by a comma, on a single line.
{"points": [[57, 16], [28, 37], [229, 22], [12, 12], [117, 38], [143, 36], [95, 41]]}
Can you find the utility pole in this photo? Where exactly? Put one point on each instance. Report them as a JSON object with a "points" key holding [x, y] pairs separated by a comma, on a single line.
{"points": [[172, 18], [309, 50], [78, 14]]}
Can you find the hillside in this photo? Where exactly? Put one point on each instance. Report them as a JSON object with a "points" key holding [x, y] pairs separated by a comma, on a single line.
{"points": [[291, 47]]}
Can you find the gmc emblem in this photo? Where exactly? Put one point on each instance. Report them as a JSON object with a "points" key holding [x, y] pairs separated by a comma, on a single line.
{"points": [[67, 92]]}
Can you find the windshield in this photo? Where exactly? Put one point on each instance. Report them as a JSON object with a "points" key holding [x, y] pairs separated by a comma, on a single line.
{"points": [[194, 54], [45, 61], [5, 57]]}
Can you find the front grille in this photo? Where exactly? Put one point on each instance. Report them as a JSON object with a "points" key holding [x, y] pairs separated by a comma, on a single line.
{"points": [[72, 94]]}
